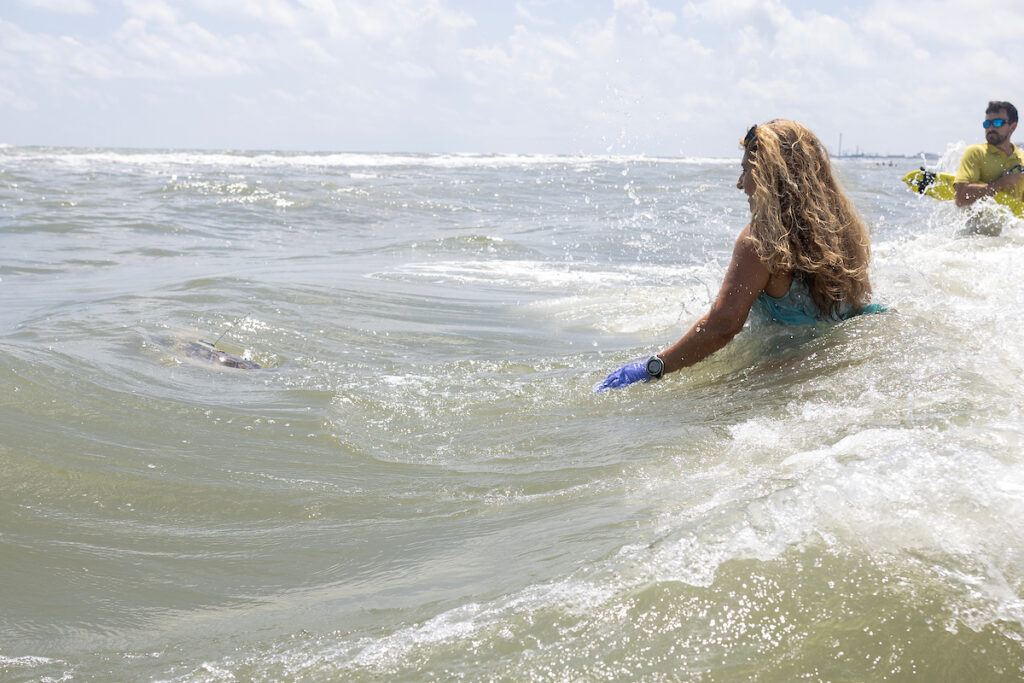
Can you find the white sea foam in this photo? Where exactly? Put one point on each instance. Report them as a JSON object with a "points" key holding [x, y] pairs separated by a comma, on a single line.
{"points": [[860, 492], [650, 310], [873, 490], [530, 274], [949, 160], [26, 662], [231, 193]]}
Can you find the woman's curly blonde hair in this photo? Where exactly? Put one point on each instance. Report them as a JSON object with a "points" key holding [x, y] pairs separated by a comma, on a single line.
{"points": [[801, 220]]}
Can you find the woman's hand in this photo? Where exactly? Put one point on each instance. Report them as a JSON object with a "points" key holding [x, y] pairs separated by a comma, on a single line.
{"points": [[624, 376]]}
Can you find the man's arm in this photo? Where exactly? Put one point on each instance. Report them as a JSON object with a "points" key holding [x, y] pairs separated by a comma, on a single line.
{"points": [[968, 193]]}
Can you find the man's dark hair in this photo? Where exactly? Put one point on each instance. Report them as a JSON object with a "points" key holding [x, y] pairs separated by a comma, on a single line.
{"points": [[1011, 111]]}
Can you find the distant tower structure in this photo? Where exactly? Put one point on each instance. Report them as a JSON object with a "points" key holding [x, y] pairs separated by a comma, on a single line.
{"points": [[839, 153]]}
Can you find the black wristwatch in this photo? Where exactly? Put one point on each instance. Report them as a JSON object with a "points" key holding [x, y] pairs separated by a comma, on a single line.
{"points": [[655, 367]]}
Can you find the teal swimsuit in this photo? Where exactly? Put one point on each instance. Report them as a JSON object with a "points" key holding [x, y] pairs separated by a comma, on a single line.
{"points": [[797, 307]]}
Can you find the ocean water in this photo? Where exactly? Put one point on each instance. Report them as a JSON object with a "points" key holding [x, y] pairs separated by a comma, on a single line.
{"points": [[420, 484]]}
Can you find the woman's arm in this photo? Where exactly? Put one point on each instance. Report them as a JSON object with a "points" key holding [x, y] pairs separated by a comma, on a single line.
{"points": [[745, 278]]}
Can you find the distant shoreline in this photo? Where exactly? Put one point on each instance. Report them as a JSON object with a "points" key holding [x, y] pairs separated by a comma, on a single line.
{"points": [[926, 155]]}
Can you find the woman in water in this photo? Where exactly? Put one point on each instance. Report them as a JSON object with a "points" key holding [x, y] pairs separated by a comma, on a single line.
{"points": [[802, 259]]}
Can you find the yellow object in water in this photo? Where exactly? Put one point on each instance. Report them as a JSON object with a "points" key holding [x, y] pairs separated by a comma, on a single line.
{"points": [[940, 186]]}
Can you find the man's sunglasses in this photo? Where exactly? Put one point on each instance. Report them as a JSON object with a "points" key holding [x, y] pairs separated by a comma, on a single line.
{"points": [[997, 123]]}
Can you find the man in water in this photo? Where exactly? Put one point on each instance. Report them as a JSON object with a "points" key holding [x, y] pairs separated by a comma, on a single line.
{"points": [[998, 165]]}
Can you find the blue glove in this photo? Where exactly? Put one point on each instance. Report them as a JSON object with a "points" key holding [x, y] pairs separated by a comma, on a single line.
{"points": [[624, 376]]}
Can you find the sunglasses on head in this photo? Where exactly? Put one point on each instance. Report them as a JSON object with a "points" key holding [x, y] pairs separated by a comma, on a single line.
{"points": [[994, 123], [750, 137]]}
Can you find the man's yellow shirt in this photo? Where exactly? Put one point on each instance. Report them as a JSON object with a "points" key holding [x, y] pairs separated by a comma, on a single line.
{"points": [[985, 163]]}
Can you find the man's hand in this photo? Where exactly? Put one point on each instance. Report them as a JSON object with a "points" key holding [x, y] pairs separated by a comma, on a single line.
{"points": [[1009, 181]]}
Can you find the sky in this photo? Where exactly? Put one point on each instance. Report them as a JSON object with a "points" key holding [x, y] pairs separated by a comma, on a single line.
{"points": [[653, 77]]}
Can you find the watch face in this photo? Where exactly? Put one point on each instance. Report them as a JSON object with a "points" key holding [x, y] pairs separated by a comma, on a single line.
{"points": [[655, 366]]}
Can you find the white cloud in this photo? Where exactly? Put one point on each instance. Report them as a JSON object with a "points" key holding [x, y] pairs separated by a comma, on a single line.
{"points": [[156, 11], [526, 12], [772, 12], [644, 17], [270, 12], [170, 51], [48, 60], [384, 19], [821, 38], [11, 99], [63, 6], [950, 24]]}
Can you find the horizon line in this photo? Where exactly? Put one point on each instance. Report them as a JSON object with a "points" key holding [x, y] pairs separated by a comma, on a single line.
{"points": [[266, 150]]}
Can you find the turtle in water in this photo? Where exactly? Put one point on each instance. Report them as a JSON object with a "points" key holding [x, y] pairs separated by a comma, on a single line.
{"points": [[205, 351]]}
